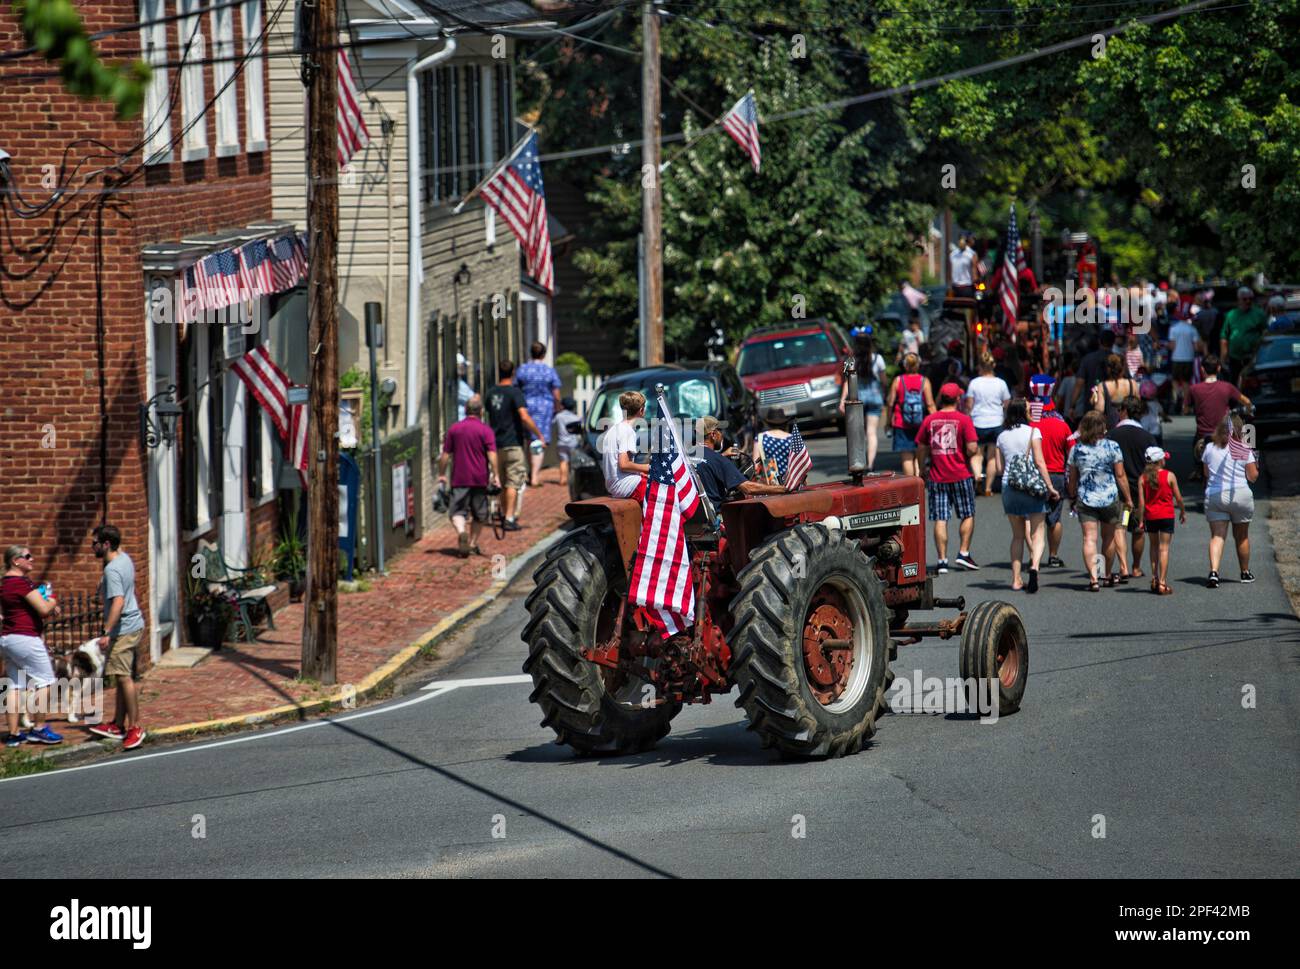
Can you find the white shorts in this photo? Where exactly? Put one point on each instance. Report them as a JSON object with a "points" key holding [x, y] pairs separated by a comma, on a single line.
{"points": [[26, 659], [1222, 506]]}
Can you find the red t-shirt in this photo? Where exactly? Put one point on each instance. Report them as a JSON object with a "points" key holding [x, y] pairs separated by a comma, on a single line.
{"points": [[468, 442], [1056, 438], [946, 433], [1160, 499], [20, 618], [1210, 401]]}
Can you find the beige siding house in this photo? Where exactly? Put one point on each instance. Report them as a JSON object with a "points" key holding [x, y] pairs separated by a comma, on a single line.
{"points": [[469, 265]]}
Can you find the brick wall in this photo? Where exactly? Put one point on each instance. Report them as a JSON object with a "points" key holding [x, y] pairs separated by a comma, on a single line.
{"points": [[55, 484]]}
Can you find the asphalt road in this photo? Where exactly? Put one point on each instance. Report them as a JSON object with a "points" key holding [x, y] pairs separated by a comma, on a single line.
{"points": [[1133, 714]]}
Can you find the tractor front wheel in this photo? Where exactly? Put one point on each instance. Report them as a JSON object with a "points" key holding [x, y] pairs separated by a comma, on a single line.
{"points": [[811, 643], [995, 647], [594, 709]]}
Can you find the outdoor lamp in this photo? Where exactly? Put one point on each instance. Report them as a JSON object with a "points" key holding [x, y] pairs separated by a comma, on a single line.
{"points": [[165, 411], [463, 275]]}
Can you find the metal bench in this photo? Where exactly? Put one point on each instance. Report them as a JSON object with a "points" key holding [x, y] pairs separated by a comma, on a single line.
{"points": [[249, 585]]}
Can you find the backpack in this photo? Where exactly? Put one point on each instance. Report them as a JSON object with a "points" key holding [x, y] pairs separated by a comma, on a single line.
{"points": [[1022, 474], [913, 406]]}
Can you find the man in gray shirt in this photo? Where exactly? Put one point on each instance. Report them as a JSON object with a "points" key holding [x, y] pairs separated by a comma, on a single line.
{"points": [[122, 637]]}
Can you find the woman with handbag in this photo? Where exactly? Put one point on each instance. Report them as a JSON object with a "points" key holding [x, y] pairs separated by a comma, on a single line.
{"points": [[1026, 490]]}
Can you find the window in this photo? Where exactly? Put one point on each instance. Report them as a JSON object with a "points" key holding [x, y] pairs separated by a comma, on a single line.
{"points": [[157, 103], [194, 140], [254, 75], [204, 405], [687, 397], [464, 133], [504, 111], [442, 143], [794, 351], [223, 79]]}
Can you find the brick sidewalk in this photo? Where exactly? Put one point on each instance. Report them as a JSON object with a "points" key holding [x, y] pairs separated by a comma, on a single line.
{"points": [[424, 583]]}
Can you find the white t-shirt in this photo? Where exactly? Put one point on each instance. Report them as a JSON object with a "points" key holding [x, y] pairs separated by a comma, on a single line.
{"points": [[1183, 336], [911, 341], [1224, 474], [961, 261], [619, 439], [987, 395], [1016, 440]]}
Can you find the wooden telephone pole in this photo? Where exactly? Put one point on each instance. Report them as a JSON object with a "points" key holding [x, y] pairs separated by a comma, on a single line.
{"points": [[320, 624], [651, 191]]}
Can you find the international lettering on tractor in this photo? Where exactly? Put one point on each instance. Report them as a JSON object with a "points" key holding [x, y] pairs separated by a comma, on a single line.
{"points": [[801, 601]]}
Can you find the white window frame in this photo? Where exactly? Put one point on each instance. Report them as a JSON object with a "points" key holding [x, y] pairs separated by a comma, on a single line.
{"points": [[202, 466], [251, 23], [226, 106], [157, 103], [487, 101], [194, 143]]}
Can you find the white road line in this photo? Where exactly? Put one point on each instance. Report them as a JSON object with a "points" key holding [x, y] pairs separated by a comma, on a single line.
{"points": [[249, 738], [478, 681]]}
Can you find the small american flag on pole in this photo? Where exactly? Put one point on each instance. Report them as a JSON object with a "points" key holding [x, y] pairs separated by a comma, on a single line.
{"points": [[1238, 449], [353, 133], [287, 263], [661, 578], [218, 279], [799, 463], [1009, 284], [741, 122], [518, 196]]}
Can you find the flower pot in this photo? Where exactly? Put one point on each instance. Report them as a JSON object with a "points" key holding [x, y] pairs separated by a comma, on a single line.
{"points": [[207, 631], [296, 588]]}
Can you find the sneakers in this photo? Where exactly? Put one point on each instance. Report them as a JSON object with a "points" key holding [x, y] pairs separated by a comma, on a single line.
{"points": [[16, 739], [462, 545], [1213, 581], [110, 731], [510, 525], [44, 736], [134, 738], [966, 562], [1055, 563], [942, 567], [1247, 576]]}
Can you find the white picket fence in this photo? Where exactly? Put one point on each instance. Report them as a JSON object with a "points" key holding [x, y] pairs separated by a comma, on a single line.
{"points": [[584, 391]]}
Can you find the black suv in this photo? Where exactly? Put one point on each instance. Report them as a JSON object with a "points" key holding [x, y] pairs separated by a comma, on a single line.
{"points": [[703, 389]]}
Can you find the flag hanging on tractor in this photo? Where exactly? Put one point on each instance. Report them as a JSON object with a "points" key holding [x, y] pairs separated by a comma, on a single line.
{"points": [[661, 578], [799, 463], [741, 122]]}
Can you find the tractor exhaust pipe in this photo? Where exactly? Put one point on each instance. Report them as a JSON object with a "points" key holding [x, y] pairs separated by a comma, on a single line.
{"points": [[855, 435]]}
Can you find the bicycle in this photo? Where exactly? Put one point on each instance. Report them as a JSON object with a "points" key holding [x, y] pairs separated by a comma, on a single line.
{"points": [[496, 516]]}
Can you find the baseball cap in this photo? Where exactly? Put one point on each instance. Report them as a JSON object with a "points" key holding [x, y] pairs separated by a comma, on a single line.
{"points": [[706, 426], [954, 346], [1154, 454], [951, 390]]}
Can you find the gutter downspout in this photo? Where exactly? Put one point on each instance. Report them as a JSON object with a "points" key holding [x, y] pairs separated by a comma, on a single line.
{"points": [[414, 227]]}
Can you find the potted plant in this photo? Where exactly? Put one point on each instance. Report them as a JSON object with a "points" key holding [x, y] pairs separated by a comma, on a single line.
{"points": [[290, 559], [208, 613]]}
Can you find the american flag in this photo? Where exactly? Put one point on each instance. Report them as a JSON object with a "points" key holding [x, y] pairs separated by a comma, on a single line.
{"points": [[287, 263], [661, 578], [270, 385], [255, 268], [1238, 450], [353, 133], [191, 297], [218, 279], [517, 195], [799, 463], [1010, 283], [741, 122]]}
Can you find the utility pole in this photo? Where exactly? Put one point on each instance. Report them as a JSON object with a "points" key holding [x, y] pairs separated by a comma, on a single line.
{"points": [[320, 623], [651, 192]]}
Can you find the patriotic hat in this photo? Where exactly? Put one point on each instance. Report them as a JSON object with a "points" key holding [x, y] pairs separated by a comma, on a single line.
{"points": [[1040, 389]]}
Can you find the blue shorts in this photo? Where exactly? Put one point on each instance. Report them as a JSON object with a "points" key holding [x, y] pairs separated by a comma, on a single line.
{"points": [[988, 436], [902, 442], [1019, 503], [872, 402], [943, 498], [1054, 507]]}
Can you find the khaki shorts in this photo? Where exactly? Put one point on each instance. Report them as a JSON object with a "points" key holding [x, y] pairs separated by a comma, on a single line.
{"points": [[123, 657], [514, 470]]}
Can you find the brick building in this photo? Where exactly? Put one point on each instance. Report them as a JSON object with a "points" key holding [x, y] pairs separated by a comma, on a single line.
{"points": [[79, 354]]}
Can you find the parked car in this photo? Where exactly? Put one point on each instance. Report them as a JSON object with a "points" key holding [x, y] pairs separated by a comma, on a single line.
{"points": [[693, 390], [796, 368], [1272, 383]]}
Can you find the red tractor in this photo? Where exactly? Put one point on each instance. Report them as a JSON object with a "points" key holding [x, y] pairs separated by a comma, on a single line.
{"points": [[802, 601]]}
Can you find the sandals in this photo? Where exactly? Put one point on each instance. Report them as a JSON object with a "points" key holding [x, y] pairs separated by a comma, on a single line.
{"points": [[1094, 586], [1165, 590], [1137, 574], [1155, 584]]}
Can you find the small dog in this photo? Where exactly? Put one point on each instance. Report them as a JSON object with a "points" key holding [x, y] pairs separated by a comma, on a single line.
{"points": [[86, 661]]}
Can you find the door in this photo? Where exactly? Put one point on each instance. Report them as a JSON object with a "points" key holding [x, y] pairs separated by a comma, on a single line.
{"points": [[163, 489], [234, 517]]}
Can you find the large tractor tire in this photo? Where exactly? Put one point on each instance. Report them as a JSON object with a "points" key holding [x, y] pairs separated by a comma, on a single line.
{"points": [[575, 603], [802, 589], [994, 646]]}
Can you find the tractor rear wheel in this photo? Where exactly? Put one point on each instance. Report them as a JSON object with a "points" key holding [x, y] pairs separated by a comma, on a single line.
{"points": [[811, 643], [574, 605], [995, 646]]}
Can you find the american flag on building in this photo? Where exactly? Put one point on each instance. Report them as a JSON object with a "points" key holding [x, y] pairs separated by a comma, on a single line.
{"points": [[661, 578], [218, 279], [190, 296], [255, 269], [269, 386], [741, 122], [799, 463], [353, 133], [518, 196], [287, 263], [1009, 285]]}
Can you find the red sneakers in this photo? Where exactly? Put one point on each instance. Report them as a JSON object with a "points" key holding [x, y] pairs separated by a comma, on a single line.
{"points": [[134, 738], [109, 731]]}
